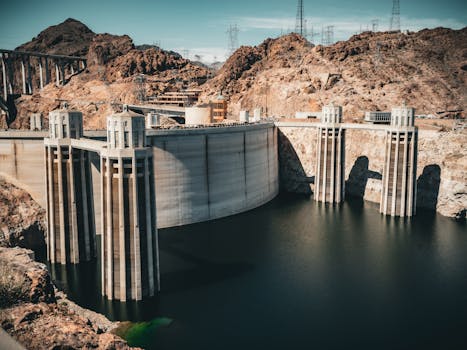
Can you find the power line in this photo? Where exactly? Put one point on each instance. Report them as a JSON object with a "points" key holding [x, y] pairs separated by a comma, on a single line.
{"points": [[311, 34], [374, 25], [300, 24], [396, 16], [232, 34], [139, 91], [377, 57], [327, 35]]}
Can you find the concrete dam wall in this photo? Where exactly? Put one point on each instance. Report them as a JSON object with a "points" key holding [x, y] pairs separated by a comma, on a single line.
{"points": [[22, 162], [211, 173], [200, 174]]}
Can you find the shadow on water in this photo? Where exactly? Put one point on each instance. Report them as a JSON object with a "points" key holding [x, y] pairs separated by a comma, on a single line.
{"points": [[358, 177], [428, 187], [82, 283], [204, 272]]}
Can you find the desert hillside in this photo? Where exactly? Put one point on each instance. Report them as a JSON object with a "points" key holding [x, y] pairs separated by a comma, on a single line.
{"points": [[370, 71], [113, 63]]}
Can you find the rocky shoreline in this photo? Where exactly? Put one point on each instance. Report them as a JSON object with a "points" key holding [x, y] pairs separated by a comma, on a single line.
{"points": [[22, 220], [38, 316]]}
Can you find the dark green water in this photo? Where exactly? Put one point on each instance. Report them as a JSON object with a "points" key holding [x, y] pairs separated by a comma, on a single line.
{"points": [[297, 275]]}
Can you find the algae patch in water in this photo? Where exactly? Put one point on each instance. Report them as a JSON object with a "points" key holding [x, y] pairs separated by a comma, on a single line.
{"points": [[137, 333]]}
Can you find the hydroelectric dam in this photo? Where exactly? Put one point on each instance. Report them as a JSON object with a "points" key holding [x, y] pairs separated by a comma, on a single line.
{"points": [[127, 181]]}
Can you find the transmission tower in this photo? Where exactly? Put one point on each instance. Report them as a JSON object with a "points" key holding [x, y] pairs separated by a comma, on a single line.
{"points": [[312, 34], [396, 16], [377, 57], [139, 90], [232, 34], [305, 29], [374, 25], [300, 24], [327, 35]]}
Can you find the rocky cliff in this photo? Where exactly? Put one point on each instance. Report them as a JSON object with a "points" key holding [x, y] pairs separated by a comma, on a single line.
{"points": [[22, 220], [370, 71], [38, 318]]}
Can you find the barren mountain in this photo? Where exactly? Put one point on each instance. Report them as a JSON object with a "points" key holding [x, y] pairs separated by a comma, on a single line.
{"points": [[370, 71], [113, 62], [70, 38]]}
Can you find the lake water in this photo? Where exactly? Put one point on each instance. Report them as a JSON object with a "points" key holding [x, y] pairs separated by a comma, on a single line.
{"points": [[294, 274]]}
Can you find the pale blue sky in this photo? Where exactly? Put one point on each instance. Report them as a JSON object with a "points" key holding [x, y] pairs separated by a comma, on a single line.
{"points": [[200, 26]]}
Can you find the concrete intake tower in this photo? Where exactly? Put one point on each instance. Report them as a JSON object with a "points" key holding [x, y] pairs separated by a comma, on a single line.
{"points": [[70, 219], [130, 261], [398, 196], [129, 251], [330, 157]]}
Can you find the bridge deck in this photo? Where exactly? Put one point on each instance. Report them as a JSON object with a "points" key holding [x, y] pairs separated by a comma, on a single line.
{"points": [[40, 54]]}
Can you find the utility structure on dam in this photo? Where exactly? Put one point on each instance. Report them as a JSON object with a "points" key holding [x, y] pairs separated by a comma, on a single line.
{"points": [[69, 203], [330, 157], [398, 196], [398, 193], [130, 260], [129, 251]]}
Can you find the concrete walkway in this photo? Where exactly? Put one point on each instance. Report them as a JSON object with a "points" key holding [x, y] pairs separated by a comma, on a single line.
{"points": [[7, 342]]}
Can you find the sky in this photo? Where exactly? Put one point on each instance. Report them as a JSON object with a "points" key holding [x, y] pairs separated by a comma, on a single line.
{"points": [[200, 27]]}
